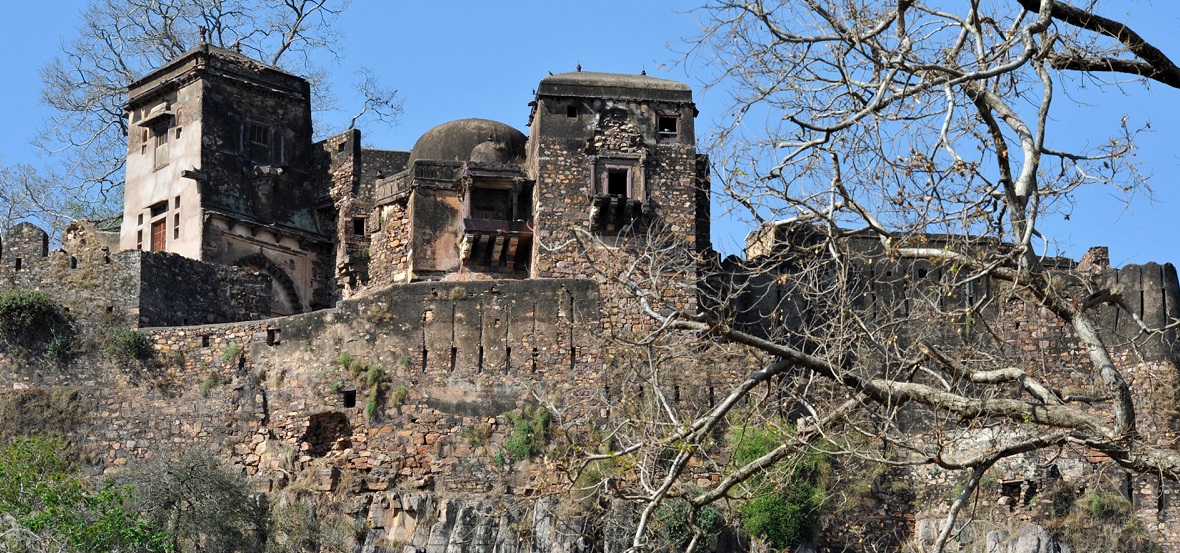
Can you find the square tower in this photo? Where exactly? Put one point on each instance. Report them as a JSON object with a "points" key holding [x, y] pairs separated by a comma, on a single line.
{"points": [[219, 167], [615, 156]]}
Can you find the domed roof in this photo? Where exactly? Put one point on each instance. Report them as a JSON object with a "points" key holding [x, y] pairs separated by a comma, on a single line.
{"points": [[458, 141]]}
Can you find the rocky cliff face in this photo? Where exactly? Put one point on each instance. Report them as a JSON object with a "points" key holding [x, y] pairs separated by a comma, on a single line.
{"points": [[414, 522]]}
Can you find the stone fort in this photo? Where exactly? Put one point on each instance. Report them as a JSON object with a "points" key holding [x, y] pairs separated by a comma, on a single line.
{"points": [[256, 259]]}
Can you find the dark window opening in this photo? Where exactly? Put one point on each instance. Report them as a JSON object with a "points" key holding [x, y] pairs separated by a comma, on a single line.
{"points": [[507, 359], [258, 143], [618, 181], [349, 397], [454, 357], [424, 357], [272, 336], [205, 341], [479, 361], [340, 146], [110, 309], [141, 218], [158, 208], [73, 262], [573, 357], [571, 111], [533, 361], [668, 128], [176, 202], [17, 265], [358, 226], [491, 203]]}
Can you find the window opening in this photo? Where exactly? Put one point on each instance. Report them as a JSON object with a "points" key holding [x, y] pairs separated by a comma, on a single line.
{"points": [[358, 226], [16, 266], [491, 203], [618, 181], [571, 111], [159, 208], [349, 397], [668, 128], [424, 356], [205, 340], [176, 226], [507, 359], [479, 361], [454, 357], [272, 336], [258, 141], [176, 202], [160, 143], [73, 262]]}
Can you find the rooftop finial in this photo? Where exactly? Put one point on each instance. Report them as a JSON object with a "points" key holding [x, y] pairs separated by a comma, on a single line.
{"points": [[579, 67], [643, 72], [203, 31]]}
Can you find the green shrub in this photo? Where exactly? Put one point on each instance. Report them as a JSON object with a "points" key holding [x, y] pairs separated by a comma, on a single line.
{"points": [[673, 528], [29, 317], [40, 495], [208, 384], [399, 394], [530, 431], [373, 375], [345, 360], [787, 501], [786, 518], [371, 403], [126, 346], [26, 310], [230, 353], [59, 347]]}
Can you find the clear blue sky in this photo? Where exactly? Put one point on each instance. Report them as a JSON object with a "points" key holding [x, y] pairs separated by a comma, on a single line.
{"points": [[451, 60]]}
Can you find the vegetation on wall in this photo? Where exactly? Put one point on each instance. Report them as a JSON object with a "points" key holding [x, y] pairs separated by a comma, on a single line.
{"points": [[126, 346], [784, 504], [30, 319], [43, 503], [530, 431]]}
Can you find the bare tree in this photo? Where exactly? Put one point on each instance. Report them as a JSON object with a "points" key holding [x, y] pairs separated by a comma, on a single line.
{"points": [[900, 158], [121, 40]]}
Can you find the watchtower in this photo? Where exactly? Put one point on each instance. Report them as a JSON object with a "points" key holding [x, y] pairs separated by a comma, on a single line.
{"points": [[219, 166]]}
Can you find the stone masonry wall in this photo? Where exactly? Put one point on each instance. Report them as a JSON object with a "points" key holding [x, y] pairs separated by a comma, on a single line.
{"points": [[390, 245]]}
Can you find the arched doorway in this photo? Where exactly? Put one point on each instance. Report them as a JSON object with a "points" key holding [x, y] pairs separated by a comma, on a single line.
{"points": [[284, 299]]}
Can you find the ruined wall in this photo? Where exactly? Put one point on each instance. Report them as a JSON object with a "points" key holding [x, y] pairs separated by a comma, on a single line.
{"points": [[84, 276], [178, 291], [390, 245]]}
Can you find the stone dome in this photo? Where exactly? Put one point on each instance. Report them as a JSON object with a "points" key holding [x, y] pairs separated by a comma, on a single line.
{"points": [[468, 139]]}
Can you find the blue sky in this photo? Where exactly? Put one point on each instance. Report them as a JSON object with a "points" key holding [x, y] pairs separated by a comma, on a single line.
{"points": [[452, 60]]}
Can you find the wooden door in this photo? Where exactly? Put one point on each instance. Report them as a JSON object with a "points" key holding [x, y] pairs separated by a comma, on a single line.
{"points": [[160, 235]]}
